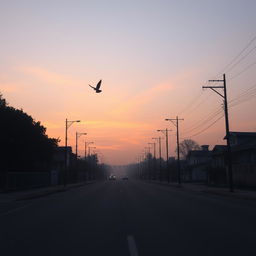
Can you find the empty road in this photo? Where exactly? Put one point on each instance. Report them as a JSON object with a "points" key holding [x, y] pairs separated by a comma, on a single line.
{"points": [[129, 218]]}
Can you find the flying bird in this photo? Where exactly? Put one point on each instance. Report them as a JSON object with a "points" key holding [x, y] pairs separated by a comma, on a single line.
{"points": [[97, 88]]}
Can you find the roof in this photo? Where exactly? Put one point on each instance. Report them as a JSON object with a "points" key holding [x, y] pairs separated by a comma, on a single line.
{"points": [[244, 146], [198, 153], [244, 134], [219, 148]]}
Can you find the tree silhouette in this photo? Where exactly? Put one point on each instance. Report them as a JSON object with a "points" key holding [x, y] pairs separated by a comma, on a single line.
{"points": [[188, 145], [24, 143]]}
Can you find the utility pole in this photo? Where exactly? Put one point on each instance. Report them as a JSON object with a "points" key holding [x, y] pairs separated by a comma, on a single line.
{"points": [[154, 148], [175, 121], [77, 136], [85, 147], [165, 132], [147, 156], [224, 96], [90, 150], [160, 155], [67, 125], [154, 159]]}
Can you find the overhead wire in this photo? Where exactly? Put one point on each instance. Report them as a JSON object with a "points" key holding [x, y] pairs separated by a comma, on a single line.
{"points": [[191, 103], [241, 59], [244, 70], [238, 55], [243, 97], [204, 121], [198, 104], [201, 131], [246, 94]]}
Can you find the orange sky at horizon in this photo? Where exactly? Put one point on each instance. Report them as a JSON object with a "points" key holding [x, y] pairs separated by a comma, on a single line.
{"points": [[120, 135], [153, 58]]}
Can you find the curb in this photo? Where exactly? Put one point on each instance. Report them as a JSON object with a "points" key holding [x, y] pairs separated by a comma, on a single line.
{"points": [[40, 194], [229, 194], [50, 192], [209, 191]]}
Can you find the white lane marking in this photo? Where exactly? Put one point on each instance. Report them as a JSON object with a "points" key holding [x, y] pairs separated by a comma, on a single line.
{"points": [[132, 246], [14, 210]]}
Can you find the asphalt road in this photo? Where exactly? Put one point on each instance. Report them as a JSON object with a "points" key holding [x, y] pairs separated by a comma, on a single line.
{"points": [[129, 218]]}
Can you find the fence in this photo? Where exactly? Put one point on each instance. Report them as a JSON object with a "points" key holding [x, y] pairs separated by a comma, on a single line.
{"points": [[24, 180]]}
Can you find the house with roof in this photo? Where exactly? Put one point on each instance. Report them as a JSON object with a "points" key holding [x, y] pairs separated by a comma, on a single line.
{"points": [[217, 172], [243, 148], [197, 164]]}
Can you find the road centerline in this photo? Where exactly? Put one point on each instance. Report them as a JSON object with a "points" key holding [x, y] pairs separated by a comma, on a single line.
{"points": [[132, 246]]}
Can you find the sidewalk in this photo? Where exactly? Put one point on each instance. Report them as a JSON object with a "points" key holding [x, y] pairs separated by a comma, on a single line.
{"points": [[201, 188], [6, 197]]}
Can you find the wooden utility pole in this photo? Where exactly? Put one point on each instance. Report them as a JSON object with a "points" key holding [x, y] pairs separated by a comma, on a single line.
{"points": [[175, 121], [229, 155], [165, 132]]}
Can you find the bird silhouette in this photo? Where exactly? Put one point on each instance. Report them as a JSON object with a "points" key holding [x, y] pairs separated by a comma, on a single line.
{"points": [[97, 88]]}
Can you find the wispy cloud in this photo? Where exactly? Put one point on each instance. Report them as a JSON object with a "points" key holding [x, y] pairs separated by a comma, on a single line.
{"points": [[115, 124], [112, 147], [143, 98], [48, 76], [9, 87]]}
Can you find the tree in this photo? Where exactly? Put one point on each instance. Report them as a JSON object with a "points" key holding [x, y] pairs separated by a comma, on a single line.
{"points": [[24, 143], [188, 145]]}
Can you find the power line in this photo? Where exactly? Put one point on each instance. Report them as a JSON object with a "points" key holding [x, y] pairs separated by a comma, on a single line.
{"points": [[241, 59], [198, 105], [241, 98], [204, 121], [201, 131], [191, 103], [249, 97], [238, 55], [244, 70]]}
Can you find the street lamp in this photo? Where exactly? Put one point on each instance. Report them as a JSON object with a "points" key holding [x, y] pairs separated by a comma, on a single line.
{"points": [[68, 123], [154, 147], [85, 147], [160, 156], [78, 134], [159, 141], [90, 150], [147, 150], [91, 170]]}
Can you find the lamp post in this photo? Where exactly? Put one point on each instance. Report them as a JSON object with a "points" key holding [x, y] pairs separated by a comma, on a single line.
{"points": [[85, 147], [154, 161], [147, 150], [78, 134], [68, 123], [90, 150], [154, 148], [160, 156], [91, 166]]}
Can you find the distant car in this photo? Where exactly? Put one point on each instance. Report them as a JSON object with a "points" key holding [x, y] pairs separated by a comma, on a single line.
{"points": [[112, 177], [125, 178]]}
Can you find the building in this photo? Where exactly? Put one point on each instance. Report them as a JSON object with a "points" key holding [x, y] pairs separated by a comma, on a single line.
{"points": [[197, 164], [243, 148]]}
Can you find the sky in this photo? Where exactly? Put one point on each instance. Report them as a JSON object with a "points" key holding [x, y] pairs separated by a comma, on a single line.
{"points": [[153, 58]]}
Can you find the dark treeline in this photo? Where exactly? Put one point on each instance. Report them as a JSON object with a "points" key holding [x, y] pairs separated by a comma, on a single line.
{"points": [[24, 143], [88, 168], [29, 158]]}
